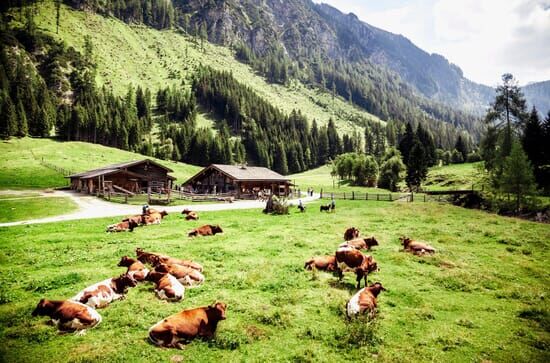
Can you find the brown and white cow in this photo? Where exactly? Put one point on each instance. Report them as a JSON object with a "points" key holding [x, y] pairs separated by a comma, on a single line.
{"points": [[178, 329], [364, 301], [136, 269], [324, 263], [138, 218], [188, 276], [361, 264], [418, 248], [154, 218], [68, 315], [206, 230], [167, 287], [361, 243], [103, 293], [156, 258], [351, 233], [122, 226], [190, 215]]}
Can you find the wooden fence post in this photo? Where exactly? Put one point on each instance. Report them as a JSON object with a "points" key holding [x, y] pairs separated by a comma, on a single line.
{"points": [[344, 195], [367, 196], [352, 195], [412, 196], [377, 196], [424, 197], [390, 198], [321, 197]]}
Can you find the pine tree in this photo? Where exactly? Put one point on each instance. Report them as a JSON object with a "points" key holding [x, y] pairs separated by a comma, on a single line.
{"points": [[406, 143], [22, 125], [417, 169], [8, 117], [280, 163], [517, 175], [427, 142], [460, 146]]}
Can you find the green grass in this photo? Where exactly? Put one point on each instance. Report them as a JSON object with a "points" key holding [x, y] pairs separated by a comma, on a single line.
{"points": [[132, 55], [22, 169], [32, 208], [454, 176], [483, 296]]}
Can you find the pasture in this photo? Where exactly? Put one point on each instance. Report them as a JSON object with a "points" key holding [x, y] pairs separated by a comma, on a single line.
{"points": [[483, 296], [23, 208]]}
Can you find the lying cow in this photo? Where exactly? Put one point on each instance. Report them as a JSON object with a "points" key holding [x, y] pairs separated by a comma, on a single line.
{"points": [[206, 230], [351, 233], [167, 287], [364, 301], [156, 258], [180, 328], [362, 265], [324, 263], [136, 269], [68, 315], [139, 219], [361, 243], [154, 218], [122, 226], [103, 293], [418, 248], [188, 276], [190, 215]]}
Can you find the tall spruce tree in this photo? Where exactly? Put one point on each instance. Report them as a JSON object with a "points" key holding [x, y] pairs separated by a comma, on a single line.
{"points": [[427, 142], [460, 146], [517, 176], [417, 168], [406, 143]]}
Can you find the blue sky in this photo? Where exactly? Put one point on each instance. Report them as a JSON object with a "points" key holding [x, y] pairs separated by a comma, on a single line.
{"points": [[485, 38]]}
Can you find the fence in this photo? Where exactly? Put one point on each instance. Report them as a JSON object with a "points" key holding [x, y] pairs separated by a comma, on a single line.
{"points": [[439, 196]]}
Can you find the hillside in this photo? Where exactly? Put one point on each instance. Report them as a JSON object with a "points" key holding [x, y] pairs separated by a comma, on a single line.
{"points": [[140, 55], [22, 166], [538, 95]]}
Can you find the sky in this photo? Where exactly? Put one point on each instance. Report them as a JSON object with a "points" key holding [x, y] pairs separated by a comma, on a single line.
{"points": [[485, 38]]}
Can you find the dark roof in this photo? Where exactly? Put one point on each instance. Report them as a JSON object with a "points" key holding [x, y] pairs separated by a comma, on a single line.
{"points": [[113, 168], [244, 173]]}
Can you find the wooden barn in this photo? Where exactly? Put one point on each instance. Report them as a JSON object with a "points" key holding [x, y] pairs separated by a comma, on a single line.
{"points": [[128, 177], [241, 181]]}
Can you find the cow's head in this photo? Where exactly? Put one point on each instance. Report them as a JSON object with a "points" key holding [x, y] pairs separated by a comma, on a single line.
{"points": [[370, 242], [126, 261], [185, 211], [376, 288], [43, 308], [219, 309], [163, 213], [162, 267], [405, 241], [123, 282], [154, 276], [217, 229]]}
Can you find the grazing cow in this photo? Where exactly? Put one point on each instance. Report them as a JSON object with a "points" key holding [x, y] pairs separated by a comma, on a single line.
{"points": [[136, 269], [68, 315], [361, 243], [103, 293], [167, 287], [364, 301], [156, 258], [206, 230], [139, 219], [418, 248], [324, 263], [188, 276], [122, 226], [351, 233], [349, 257], [190, 215], [325, 208], [180, 328]]}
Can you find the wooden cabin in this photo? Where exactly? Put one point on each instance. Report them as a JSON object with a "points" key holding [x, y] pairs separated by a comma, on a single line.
{"points": [[241, 181], [129, 177]]}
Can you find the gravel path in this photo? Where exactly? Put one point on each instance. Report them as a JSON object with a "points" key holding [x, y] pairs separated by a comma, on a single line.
{"points": [[93, 207]]}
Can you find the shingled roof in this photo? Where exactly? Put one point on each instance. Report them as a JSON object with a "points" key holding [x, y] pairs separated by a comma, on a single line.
{"points": [[244, 173], [114, 168]]}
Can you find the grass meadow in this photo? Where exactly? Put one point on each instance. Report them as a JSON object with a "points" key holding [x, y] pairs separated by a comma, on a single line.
{"points": [[482, 297], [23, 208]]}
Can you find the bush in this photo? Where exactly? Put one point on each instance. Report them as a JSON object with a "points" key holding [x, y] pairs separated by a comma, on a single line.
{"points": [[276, 205]]}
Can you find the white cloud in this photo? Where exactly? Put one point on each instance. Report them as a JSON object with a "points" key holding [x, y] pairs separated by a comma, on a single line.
{"points": [[486, 38]]}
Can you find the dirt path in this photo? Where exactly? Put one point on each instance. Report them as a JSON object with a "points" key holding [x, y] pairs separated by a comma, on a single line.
{"points": [[92, 207]]}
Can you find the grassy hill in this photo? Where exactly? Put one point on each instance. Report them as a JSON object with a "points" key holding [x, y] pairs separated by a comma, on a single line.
{"points": [[132, 55], [482, 297], [22, 166]]}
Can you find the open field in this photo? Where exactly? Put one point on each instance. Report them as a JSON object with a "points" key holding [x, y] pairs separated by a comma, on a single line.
{"points": [[22, 168], [24, 208], [454, 176], [483, 296], [132, 55]]}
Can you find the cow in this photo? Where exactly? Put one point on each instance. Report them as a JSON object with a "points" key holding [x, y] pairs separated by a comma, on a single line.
{"points": [[206, 230], [362, 265], [325, 208], [154, 218], [418, 248], [136, 269], [103, 293], [351, 233], [364, 301], [139, 219], [156, 258], [324, 263], [178, 329], [167, 287], [190, 215], [122, 226], [188, 276], [361, 243], [67, 315]]}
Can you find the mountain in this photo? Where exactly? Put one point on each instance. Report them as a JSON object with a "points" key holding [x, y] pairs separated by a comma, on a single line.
{"points": [[538, 95]]}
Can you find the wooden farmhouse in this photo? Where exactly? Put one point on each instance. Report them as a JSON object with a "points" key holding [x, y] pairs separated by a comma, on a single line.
{"points": [[129, 177], [241, 181]]}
